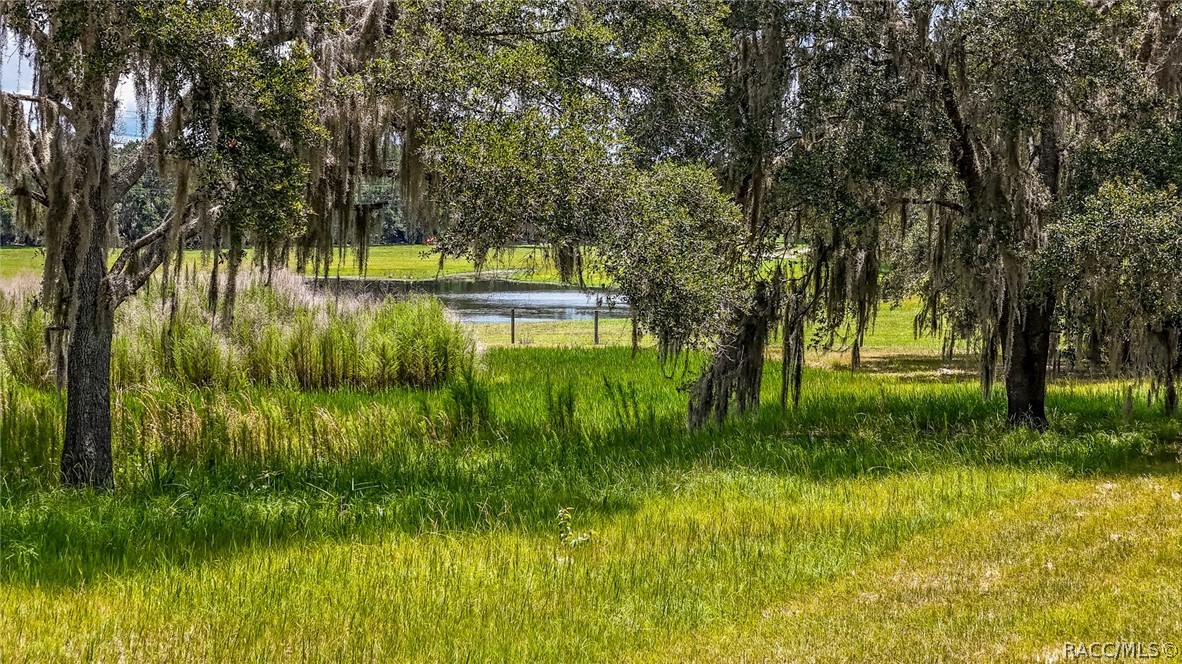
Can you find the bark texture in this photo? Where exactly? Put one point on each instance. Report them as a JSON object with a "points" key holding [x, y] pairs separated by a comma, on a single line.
{"points": [[1026, 367], [735, 374], [86, 452]]}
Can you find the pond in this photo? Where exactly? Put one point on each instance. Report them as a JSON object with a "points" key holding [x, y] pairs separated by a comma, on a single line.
{"points": [[492, 300]]}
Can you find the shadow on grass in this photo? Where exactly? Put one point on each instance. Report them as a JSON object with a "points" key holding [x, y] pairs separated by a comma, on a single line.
{"points": [[916, 368], [934, 368], [516, 475]]}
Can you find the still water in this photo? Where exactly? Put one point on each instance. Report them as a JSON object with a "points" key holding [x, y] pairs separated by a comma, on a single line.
{"points": [[491, 300]]}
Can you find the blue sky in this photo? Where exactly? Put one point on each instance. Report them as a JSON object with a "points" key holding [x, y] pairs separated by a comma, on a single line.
{"points": [[16, 75]]}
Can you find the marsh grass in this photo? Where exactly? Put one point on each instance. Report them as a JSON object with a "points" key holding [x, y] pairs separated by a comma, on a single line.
{"points": [[284, 335]]}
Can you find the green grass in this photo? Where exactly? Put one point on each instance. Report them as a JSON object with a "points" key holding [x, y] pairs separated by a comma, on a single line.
{"points": [[385, 262], [892, 336], [285, 335], [274, 524], [1091, 559], [567, 333], [21, 262], [552, 506]]}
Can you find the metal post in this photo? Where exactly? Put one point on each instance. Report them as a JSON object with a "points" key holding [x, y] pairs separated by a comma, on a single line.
{"points": [[596, 327], [512, 326]]}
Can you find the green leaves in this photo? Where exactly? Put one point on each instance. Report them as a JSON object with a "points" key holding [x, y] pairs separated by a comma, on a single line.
{"points": [[525, 177], [1029, 60], [675, 250], [1120, 256], [566, 124]]}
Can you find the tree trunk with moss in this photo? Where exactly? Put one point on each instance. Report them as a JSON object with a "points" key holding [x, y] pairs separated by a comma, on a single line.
{"points": [[735, 373], [86, 452]]}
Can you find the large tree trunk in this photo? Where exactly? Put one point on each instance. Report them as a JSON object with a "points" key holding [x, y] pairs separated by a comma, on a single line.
{"points": [[1026, 365], [86, 455], [735, 373], [86, 452], [1030, 339]]}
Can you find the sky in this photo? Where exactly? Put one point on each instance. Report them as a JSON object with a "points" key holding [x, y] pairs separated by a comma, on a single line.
{"points": [[16, 75]]}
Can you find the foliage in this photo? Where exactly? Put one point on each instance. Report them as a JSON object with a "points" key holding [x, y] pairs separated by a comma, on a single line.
{"points": [[934, 142], [522, 178], [233, 91], [541, 122], [253, 158], [1119, 260], [674, 252], [147, 202], [9, 233]]}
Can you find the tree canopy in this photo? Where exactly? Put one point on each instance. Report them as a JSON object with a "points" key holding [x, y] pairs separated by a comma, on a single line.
{"points": [[734, 166], [943, 145]]}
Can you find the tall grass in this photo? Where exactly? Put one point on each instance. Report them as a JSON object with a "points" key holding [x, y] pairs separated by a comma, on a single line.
{"points": [[284, 335], [23, 355], [202, 472], [293, 485], [585, 412]]}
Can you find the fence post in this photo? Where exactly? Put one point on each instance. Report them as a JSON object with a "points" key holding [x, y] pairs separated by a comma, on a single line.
{"points": [[596, 327], [635, 330], [512, 326]]}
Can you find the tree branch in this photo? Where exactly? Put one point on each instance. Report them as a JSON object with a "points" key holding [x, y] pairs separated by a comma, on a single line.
{"points": [[40, 37], [25, 191], [152, 246], [955, 207], [62, 108], [125, 178], [964, 157], [1165, 57], [373, 205]]}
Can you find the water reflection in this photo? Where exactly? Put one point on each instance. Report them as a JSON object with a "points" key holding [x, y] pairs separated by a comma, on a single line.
{"points": [[492, 300]]}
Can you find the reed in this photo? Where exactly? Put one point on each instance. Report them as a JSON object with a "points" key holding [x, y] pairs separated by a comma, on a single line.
{"points": [[285, 335]]}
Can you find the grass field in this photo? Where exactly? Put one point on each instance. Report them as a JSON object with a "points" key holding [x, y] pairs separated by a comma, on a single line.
{"points": [[891, 337], [553, 507], [404, 261]]}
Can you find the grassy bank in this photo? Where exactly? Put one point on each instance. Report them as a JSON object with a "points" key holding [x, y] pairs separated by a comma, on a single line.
{"points": [[550, 505], [890, 340]]}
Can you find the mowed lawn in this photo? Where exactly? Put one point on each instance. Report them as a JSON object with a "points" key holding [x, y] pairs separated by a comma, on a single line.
{"points": [[404, 261], [891, 517]]}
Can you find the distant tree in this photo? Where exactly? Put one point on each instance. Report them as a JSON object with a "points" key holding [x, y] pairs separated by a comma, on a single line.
{"points": [[9, 233], [276, 123], [941, 139], [561, 124], [1118, 264]]}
